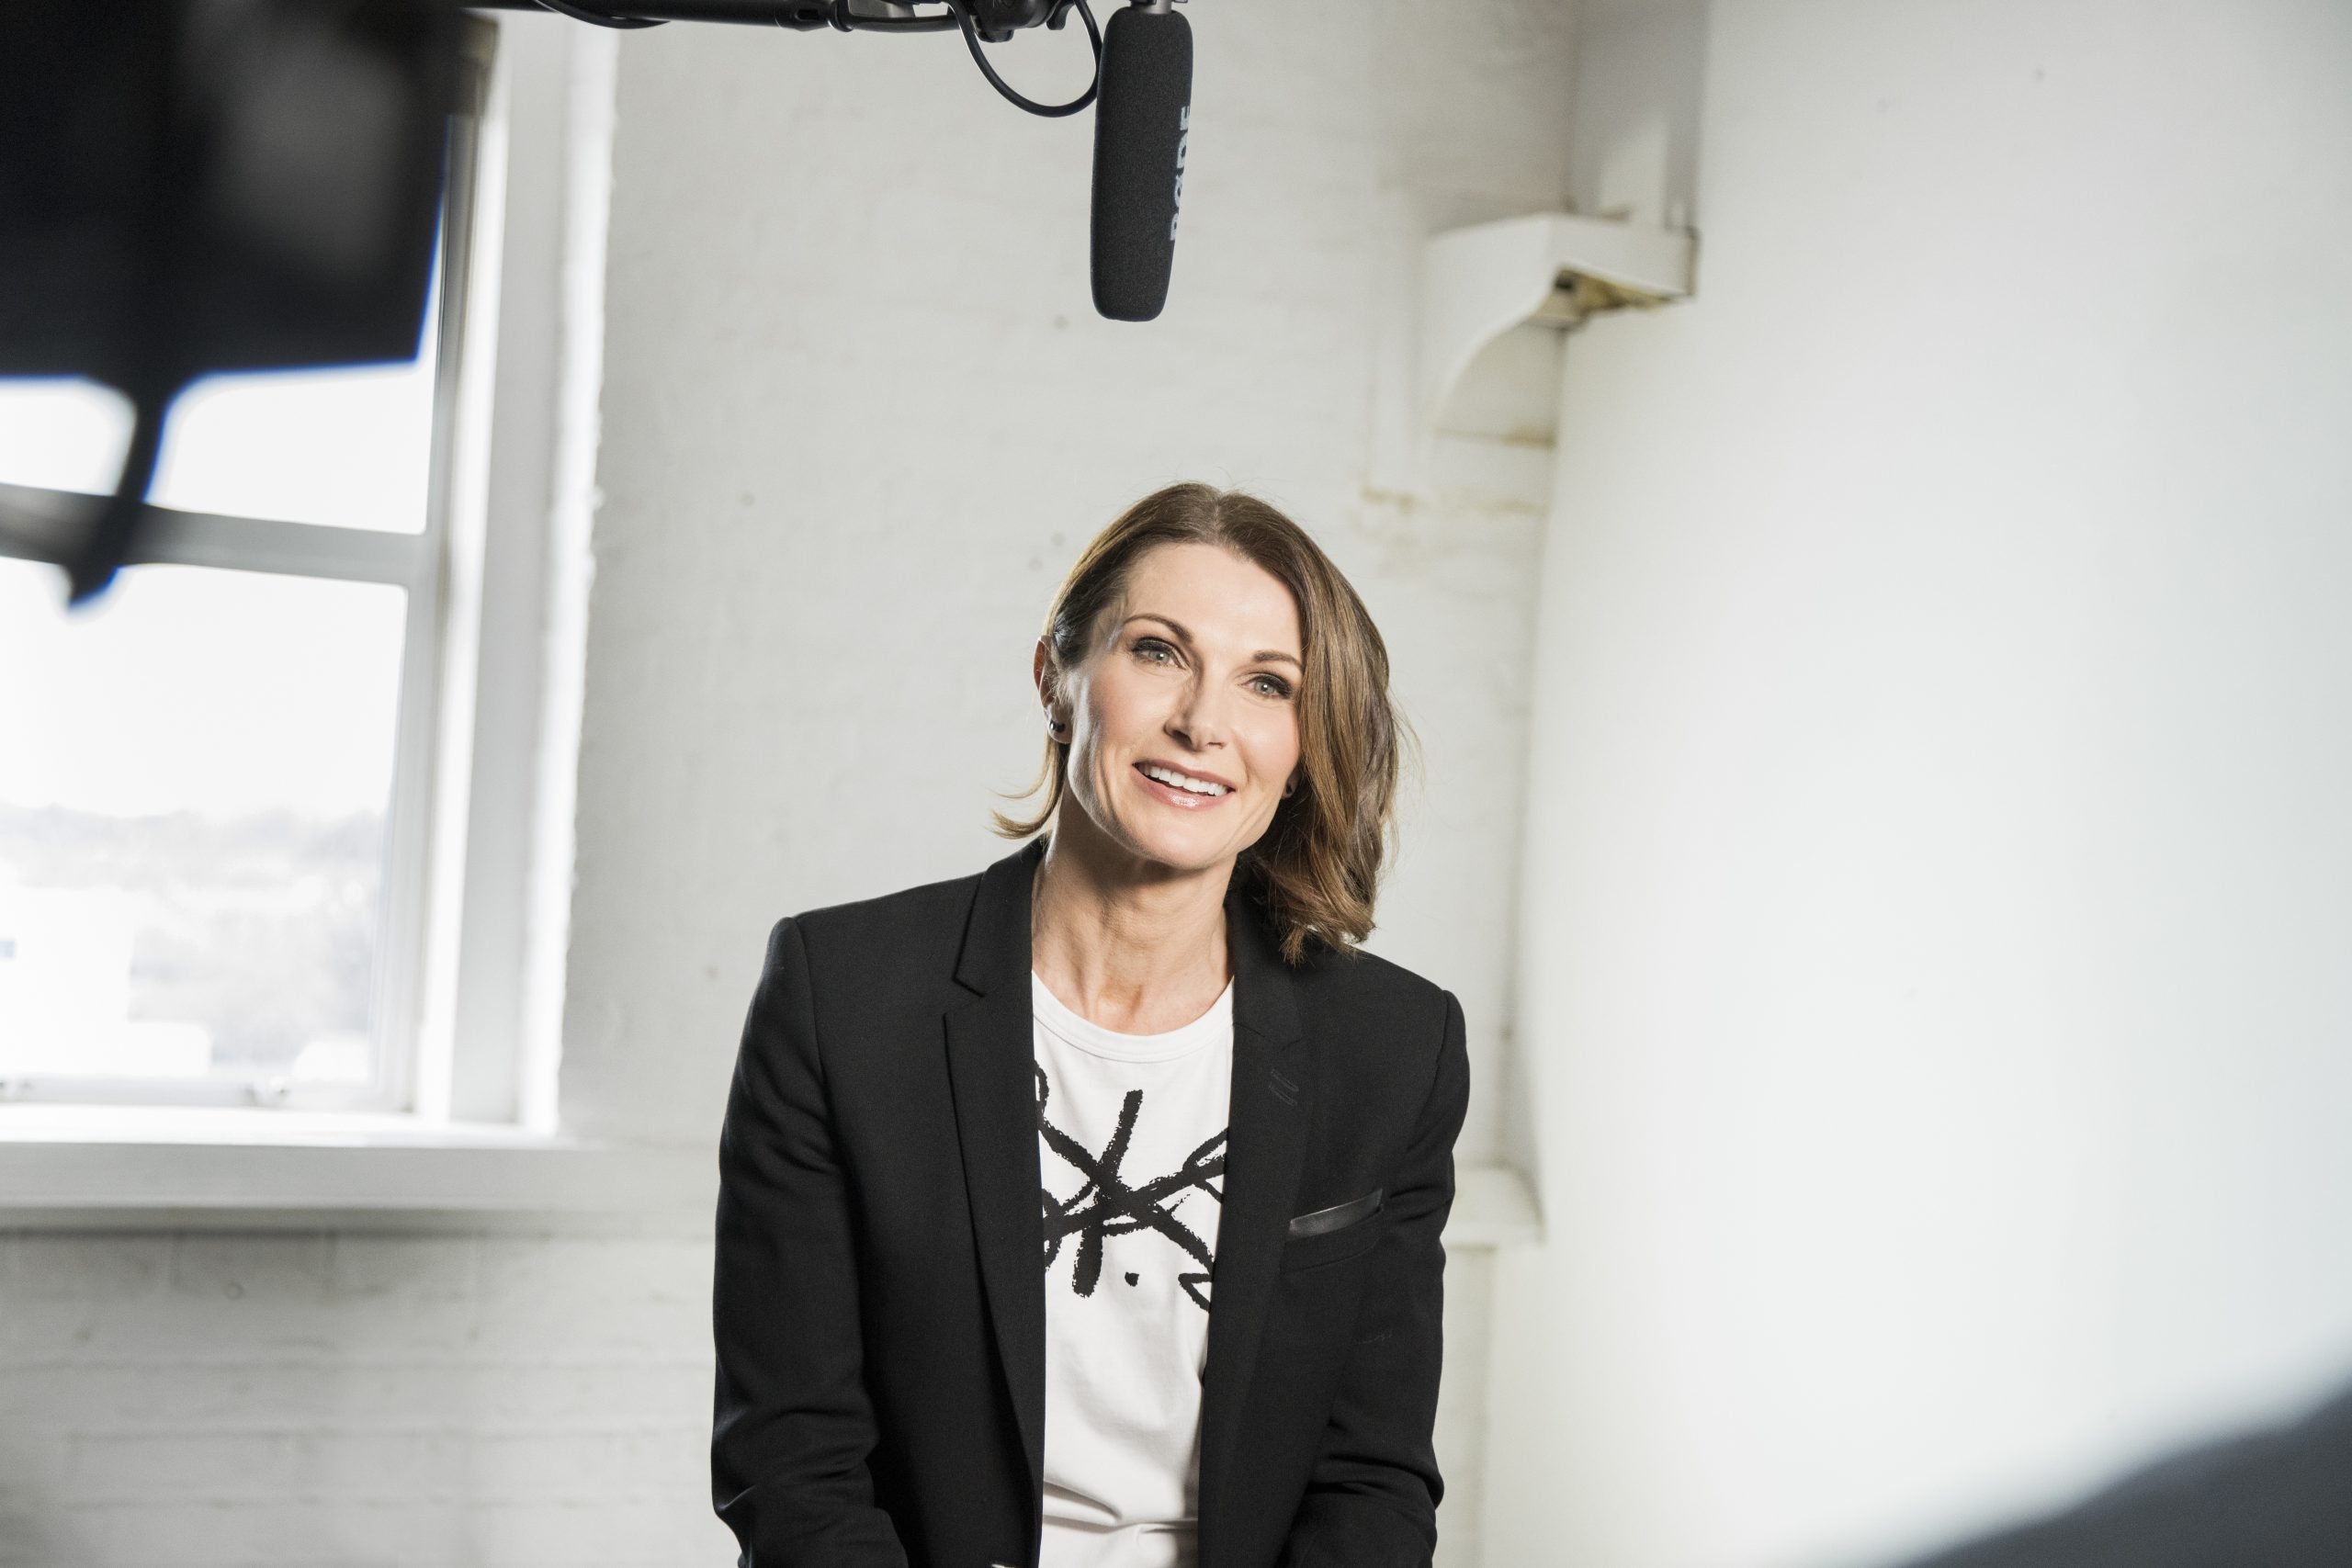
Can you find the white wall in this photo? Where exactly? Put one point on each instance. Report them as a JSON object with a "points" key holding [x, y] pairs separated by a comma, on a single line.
{"points": [[1939, 878], [324, 1400], [858, 417]]}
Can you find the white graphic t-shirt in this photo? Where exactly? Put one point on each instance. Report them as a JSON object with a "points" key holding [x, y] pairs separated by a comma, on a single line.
{"points": [[1131, 1146]]}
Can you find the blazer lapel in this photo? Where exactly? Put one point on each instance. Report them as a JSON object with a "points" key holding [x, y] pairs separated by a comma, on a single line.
{"points": [[1265, 1144], [991, 1071]]}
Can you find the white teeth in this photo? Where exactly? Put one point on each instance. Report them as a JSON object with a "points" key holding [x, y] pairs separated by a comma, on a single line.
{"points": [[1170, 776]]}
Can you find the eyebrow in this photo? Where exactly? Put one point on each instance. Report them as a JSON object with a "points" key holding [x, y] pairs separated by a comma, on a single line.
{"points": [[1263, 656]]}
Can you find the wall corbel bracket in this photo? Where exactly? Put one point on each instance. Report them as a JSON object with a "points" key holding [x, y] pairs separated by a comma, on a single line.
{"points": [[1477, 283]]}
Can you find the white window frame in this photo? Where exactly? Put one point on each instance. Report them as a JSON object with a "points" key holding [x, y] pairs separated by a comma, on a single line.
{"points": [[479, 842], [490, 980], [417, 563]]}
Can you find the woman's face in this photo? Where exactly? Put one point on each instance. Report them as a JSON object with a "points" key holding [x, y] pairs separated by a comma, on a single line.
{"points": [[1183, 723]]}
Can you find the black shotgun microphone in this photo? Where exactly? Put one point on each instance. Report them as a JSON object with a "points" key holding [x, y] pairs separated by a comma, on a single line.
{"points": [[1142, 110]]}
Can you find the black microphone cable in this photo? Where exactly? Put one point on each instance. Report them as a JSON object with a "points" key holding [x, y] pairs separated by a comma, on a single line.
{"points": [[1051, 111], [581, 14]]}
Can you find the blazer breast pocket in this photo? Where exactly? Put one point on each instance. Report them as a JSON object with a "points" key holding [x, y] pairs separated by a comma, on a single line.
{"points": [[1327, 1235]]}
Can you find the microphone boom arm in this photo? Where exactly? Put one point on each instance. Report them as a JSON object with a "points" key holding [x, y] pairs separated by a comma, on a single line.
{"points": [[993, 19]]}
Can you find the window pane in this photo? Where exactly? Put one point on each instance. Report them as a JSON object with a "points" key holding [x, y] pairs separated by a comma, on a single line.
{"points": [[193, 778], [348, 449], [63, 434], [351, 448]]}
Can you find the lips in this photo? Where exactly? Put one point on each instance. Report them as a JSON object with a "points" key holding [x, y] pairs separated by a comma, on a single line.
{"points": [[1170, 785]]}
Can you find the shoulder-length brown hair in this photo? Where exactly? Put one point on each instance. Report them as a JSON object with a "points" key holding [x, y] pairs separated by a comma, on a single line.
{"points": [[1316, 867]]}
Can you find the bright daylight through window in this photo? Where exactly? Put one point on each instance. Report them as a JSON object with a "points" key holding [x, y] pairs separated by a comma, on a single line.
{"points": [[211, 779]]}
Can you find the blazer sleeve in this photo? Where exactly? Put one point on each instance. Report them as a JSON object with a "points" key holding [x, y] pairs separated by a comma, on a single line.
{"points": [[1371, 1497], [793, 1427]]}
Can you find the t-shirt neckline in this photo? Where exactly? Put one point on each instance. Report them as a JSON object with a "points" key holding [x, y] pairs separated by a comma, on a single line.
{"points": [[1076, 1030]]}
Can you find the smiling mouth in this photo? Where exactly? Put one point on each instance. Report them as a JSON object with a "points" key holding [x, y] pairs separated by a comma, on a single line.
{"points": [[1180, 788]]}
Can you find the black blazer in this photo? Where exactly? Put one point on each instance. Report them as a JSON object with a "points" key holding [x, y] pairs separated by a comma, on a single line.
{"points": [[880, 1301]]}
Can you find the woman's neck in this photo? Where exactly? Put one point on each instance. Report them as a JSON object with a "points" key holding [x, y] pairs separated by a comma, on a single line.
{"points": [[1123, 942]]}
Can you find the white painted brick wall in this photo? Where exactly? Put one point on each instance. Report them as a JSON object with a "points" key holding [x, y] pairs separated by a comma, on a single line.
{"points": [[311, 1399]]}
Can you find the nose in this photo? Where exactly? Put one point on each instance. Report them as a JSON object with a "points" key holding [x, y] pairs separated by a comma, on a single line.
{"points": [[1196, 722]]}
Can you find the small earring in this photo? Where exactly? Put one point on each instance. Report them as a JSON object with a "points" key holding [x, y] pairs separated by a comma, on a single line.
{"points": [[1054, 727]]}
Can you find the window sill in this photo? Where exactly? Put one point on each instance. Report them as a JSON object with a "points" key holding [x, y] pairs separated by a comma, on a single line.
{"points": [[92, 1168], [86, 1168]]}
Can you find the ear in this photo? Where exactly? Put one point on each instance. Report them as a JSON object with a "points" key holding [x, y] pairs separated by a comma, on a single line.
{"points": [[1042, 674]]}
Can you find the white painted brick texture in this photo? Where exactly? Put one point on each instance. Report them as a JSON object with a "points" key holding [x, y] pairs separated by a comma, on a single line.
{"points": [[209, 1399]]}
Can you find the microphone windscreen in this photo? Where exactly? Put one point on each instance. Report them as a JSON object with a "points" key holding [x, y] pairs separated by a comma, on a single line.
{"points": [[1142, 110]]}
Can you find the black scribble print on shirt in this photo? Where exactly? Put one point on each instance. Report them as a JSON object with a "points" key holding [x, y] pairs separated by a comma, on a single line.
{"points": [[1107, 1205]]}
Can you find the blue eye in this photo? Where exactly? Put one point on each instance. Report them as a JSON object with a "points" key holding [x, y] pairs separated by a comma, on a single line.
{"points": [[1270, 685], [1151, 648]]}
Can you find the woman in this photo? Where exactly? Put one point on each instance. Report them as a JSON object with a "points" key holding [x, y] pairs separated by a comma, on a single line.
{"points": [[1146, 1053]]}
